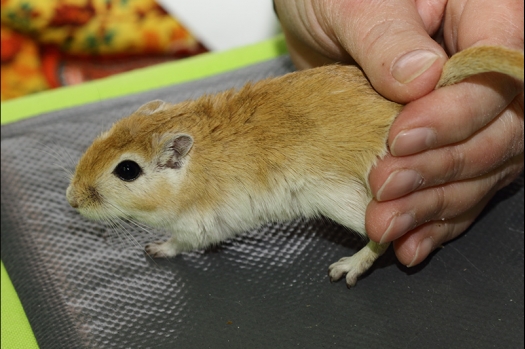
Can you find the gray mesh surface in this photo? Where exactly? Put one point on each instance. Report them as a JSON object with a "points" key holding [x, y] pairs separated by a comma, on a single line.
{"points": [[86, 285]]}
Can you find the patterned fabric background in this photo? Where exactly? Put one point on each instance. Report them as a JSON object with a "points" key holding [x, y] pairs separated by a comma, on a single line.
{"points": [[52, 43]]}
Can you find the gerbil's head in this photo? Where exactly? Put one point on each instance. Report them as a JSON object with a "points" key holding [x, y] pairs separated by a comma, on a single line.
{"points": [[133, 170]]}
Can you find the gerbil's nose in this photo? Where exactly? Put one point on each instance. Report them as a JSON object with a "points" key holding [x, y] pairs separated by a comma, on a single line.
{"points": [[71, 197]]}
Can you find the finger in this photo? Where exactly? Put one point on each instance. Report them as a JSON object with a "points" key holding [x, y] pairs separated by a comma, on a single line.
{"points": [[415, 246], [308, 43], [388, 221], [483, 22], [487, 150], [430, 123], [423, 125], [302, 55], [388, 39], [431, 13]]}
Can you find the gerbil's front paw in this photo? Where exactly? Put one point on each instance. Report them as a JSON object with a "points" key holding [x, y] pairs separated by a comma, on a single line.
{"points": [[161, 249]]}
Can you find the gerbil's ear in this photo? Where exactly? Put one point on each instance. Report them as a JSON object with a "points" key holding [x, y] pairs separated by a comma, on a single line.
{"points": [[174, 149], [152, 107]]}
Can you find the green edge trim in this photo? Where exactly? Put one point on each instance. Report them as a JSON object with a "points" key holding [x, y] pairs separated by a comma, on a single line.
{"points": [[16, 330], [141, 80]]}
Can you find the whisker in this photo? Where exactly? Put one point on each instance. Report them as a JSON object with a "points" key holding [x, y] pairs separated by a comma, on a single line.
{"points": [[59, 157], [143, 248], [136, 223], [120, 222], [142, 227], [115, 227], [129, 237]]}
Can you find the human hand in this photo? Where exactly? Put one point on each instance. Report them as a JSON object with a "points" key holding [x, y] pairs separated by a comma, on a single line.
{"points": [[450, 149]]}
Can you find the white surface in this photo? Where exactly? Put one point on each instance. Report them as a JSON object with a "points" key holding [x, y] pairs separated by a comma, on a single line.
{"points": [[224, 24]]}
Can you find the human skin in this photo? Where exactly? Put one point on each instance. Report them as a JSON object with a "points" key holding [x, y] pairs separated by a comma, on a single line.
{"points": [[450, 149]]}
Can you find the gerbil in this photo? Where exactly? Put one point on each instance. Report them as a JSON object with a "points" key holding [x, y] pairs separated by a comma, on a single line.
{"points": [[298, 145]]}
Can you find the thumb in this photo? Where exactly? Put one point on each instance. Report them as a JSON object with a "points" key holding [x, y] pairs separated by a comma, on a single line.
{"points": [[389, 41]]}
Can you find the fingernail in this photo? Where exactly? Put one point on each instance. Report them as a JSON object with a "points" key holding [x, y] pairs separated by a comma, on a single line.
{"points": [[399, 183], [413, 141], [398, 226], [423, 249], [412, 65]]}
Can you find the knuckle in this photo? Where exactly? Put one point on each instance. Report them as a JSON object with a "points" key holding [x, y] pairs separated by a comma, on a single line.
{"points": [[376, 43], [451, 231], [439, 205], [454, 164], [512, 141], [509, 172], [446, 230], [516, 128], [376, 31], [435, 207]]}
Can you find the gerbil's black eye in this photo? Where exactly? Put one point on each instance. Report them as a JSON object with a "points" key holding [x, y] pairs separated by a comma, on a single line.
{"points": [[128, 170]]}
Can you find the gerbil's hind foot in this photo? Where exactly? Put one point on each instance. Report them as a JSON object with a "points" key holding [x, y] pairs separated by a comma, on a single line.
{"points": [[162, 249], [357, 264]]}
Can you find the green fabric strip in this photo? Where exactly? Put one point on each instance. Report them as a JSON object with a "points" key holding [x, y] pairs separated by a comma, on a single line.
{"points": [[16, 331]]}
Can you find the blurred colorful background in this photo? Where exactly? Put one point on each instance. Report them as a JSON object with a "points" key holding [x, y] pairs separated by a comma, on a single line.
{"points": [[51, 43]]}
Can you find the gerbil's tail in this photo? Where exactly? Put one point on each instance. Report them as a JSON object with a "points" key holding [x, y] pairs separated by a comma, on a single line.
{"points": [[482, 59]]}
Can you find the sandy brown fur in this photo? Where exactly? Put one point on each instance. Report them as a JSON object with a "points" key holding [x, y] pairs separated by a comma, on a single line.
{"points": [[482, 59], [297, 145], [279, 127]]}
